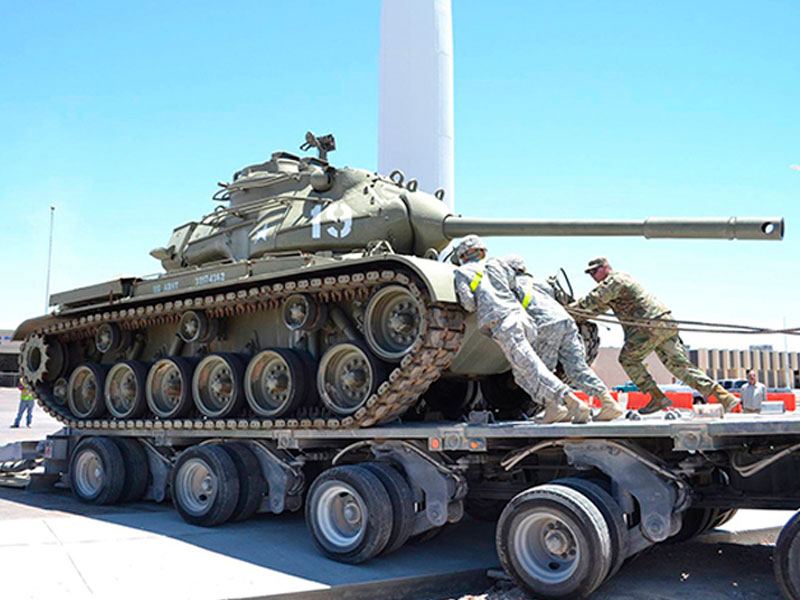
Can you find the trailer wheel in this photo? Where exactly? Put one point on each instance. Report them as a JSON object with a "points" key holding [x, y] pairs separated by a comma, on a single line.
{"points": [[252, 487], [402, 500], [724, 517], [786, 559], [612, 513], [694, 522], [97, 471], [205, 485], [554, 542], [137, 469], [484, 509], [349, 514]]}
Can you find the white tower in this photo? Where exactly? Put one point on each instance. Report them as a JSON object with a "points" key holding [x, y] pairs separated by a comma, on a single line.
{"points": [[415, 100]]}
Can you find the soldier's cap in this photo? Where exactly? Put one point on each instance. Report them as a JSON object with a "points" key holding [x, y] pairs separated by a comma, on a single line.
{"points": [[467, 244], [596, 263]]}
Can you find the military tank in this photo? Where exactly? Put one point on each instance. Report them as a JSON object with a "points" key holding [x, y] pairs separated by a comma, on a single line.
{"points": [[312, 296]]}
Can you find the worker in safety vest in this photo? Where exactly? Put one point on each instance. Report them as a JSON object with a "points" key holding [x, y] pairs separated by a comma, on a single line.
{"points": [[484, 286], [557, 339], [25, 402]]}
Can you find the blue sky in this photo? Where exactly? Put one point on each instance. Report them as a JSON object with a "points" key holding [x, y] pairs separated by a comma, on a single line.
{"points": [[125, 115]]}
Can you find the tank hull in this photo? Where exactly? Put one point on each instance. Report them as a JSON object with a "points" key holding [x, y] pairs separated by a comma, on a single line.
{"points": [[246, 303]]}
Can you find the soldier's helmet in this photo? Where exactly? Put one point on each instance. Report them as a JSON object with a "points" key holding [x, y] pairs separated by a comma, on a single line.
{"points": [[515, 262], [470, 248]]}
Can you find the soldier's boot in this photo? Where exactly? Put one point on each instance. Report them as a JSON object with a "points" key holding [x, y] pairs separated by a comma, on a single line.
{"points": [[578, 412], [657, 401], [609, 408], [728, 400], [554, 412]]}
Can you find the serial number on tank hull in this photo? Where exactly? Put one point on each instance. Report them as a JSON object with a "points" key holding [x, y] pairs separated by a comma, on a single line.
{"points": [[209, 278]]}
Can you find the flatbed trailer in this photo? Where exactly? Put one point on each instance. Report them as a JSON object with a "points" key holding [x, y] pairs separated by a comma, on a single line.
{"points": [[572, 502]]}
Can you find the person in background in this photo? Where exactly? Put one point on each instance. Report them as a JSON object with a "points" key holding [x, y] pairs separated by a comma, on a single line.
{"points": [[754, 393], [25, 402]]}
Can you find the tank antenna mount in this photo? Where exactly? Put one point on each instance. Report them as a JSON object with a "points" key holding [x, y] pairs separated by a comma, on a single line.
{"points": [[323, 144]]}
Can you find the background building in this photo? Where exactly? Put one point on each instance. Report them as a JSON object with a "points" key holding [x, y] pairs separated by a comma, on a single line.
{"points": [[9, 355], [770, 365]]}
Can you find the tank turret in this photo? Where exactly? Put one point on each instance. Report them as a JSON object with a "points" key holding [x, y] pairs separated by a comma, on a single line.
{"points": [[291, 204]]}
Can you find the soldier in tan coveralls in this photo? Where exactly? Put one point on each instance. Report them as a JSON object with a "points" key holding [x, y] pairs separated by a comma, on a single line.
{"points": [[484, 286], [628, 299], [556, 338]]}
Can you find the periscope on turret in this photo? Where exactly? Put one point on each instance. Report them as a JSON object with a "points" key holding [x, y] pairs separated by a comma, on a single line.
{"points": [[312, 296]]}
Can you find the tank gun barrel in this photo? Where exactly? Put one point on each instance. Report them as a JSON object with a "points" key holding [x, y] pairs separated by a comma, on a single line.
{"points": [[732, 228]]}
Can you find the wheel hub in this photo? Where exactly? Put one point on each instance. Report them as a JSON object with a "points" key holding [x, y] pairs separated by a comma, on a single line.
{"points": [[277, 383], [352, 513], [556, 541]]}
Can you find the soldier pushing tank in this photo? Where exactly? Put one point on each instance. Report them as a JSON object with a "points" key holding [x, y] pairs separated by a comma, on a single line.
{"points": [[653, 331], [484, 286], [556, 338]]}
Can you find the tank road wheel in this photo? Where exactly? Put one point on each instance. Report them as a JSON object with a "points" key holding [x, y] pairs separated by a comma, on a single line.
{"points": [[276, 382], [392, 322], [61, 391], [612, 513], [349, 514], [347, 376], [85, 391], [252, 486], [97, 471], [124, 389], [402, 500], [137, 469], [217, 385], [554, 542], [205, 485], [786, 558], [168, 387]]}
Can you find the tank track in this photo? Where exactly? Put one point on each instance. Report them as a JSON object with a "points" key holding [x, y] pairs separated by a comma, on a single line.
{"points": [[439, 338]]}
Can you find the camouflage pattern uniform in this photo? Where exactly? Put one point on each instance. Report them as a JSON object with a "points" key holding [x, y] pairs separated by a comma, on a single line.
{"points": [[557, 336], [627, 298], [501, 316]]}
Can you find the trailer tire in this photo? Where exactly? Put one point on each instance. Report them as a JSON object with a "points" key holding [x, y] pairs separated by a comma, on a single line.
{"points": [[137, 469], [612, 513], [694, 522], [205, 485], [484, 509], [786, 559], [97, 471], [349, 514], [554, 542], [402, 500], [252, 487], [724, 517]]}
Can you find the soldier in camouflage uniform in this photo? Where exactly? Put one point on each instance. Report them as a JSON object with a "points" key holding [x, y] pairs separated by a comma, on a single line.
{"points": [[629, 300], [556, 338], [484, 286]]}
